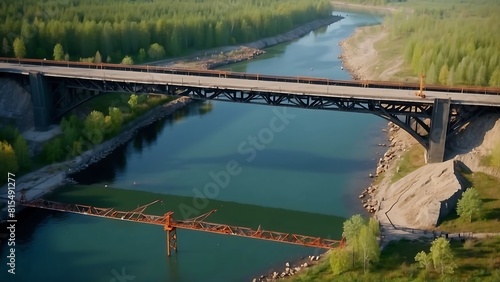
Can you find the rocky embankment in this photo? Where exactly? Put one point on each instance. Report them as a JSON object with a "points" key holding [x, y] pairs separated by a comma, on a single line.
{"points": [[290, 269], [399, 142], [422, 198]]}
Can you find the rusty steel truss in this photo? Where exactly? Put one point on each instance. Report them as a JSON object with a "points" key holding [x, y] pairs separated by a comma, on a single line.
{"points": [[170, 225], [414, 117]]}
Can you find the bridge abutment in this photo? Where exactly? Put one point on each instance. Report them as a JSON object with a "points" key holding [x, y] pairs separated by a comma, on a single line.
{"points": [[438, 130], [42, 101]]}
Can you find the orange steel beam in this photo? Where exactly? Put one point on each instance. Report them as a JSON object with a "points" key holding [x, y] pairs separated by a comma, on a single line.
{"points": [[197, 224]]}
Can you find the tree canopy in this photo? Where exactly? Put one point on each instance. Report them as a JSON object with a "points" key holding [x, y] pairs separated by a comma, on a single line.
{"points": [[464, 50], [440, 256], [117, 28], [361, 239], [470, 205]]}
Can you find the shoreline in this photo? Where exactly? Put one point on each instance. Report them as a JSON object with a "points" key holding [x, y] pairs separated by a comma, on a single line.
{"points": [[361, 58], [221, 56]]}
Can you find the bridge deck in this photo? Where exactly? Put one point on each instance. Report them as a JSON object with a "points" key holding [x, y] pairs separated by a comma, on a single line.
{"points": [[305, 89]]}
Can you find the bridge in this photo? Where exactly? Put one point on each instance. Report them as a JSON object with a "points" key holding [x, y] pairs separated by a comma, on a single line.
{"points": [[170, 225], [59, 86]]}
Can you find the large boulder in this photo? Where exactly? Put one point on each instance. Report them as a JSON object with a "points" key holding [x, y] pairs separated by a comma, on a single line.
{"points": [[424, 197]]}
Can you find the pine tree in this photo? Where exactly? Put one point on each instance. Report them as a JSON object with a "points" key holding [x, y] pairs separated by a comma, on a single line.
{"points": [[97, 57], [470, 205], [443, 74], [19, 48], [58, 52]]}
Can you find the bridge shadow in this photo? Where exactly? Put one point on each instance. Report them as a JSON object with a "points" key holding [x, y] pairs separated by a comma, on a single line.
{"points": [[472, 135]]}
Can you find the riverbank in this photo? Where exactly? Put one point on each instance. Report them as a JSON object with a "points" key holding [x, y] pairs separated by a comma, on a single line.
{"points": [[217, 57], [46, 179], [369, 55]]}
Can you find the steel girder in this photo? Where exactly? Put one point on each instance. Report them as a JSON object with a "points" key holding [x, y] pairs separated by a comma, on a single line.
{"points": [[413, 117]]}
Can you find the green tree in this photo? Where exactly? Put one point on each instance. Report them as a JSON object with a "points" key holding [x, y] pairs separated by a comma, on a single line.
{"points": [[470, 205], [108, 59], [76, 148], [53, 150], [431, 76], [424, 260], [339, 260], [451, 77], [351, 230], [133, 101], [368, 247], [19, 48], [22, 153], [5, 47], [97, 57], [127, 60], [481, 76], [374, 226], [443, 74], [156, 51], [142, 55], [442, 256], [94, 127], [495, 78], [66, 57], [9, 161], [116, 119], [58, 52]]}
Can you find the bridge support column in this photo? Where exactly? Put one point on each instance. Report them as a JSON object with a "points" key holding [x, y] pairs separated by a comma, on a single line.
{"points": [[171, 241], [439, 128], [42, 101]]}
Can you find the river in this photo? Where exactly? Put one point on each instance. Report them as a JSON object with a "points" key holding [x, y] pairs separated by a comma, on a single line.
{"points": [[284, 169]]}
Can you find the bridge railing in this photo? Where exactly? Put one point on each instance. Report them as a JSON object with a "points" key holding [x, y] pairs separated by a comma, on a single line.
{"points": [[251, 76]]}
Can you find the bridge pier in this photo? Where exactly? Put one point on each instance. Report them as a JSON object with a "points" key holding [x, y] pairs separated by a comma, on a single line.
{"points": [[438, 130], [42, 101]]}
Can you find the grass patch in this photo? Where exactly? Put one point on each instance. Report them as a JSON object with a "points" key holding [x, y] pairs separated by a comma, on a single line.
{"points": [[481, 262], [389, 55], [493, 159], [319, 272], [412, 159], [489, 190]]}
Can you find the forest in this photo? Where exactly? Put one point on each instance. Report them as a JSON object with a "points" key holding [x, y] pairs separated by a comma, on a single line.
{"points": [[450, 42], [113, 29]]}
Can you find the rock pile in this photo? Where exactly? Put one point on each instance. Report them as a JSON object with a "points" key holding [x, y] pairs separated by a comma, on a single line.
{"points": [[241, 55], [289, 269], [393, 151]]}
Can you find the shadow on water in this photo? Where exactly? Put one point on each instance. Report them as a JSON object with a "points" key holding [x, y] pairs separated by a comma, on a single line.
{"points": [[106, 169], [227, 212]]}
